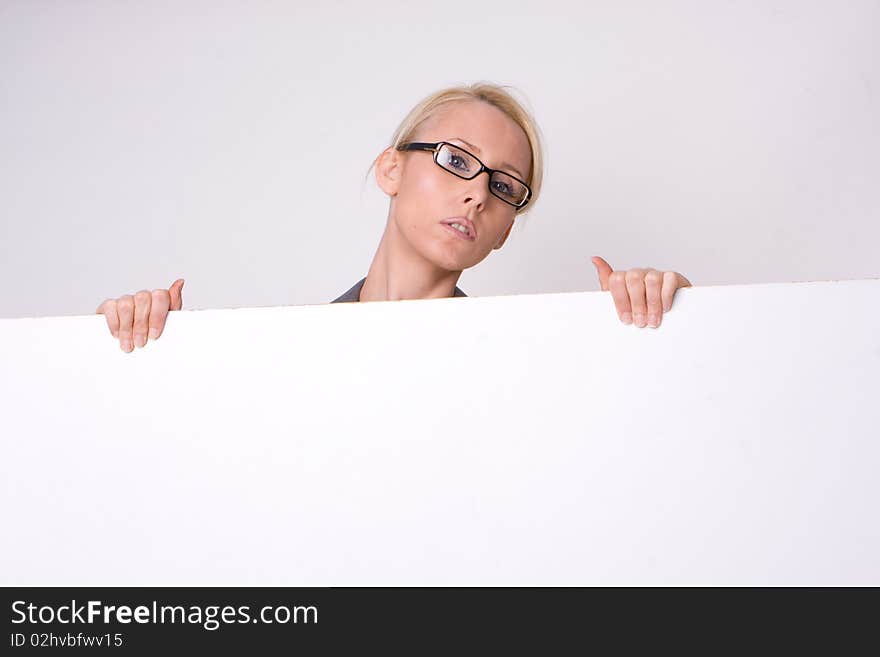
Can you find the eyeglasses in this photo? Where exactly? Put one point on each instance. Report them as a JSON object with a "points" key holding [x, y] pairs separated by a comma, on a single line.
{"points": [[459, 162]]}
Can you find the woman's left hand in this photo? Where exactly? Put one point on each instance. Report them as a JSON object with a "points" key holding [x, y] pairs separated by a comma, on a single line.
{"points": [[640, 295]]}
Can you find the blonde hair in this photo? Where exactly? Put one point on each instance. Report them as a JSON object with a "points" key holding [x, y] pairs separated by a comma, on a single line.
{"points": [[495, 95]]}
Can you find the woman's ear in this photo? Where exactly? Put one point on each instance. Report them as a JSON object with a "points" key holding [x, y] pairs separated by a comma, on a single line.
{"points": [[389, 170], [503, 239]]}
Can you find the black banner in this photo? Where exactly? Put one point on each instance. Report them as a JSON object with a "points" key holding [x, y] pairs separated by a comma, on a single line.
{"points": [[417, 620]]}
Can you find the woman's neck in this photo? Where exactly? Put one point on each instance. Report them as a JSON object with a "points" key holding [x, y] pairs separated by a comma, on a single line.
{"points": [[399, 272]]}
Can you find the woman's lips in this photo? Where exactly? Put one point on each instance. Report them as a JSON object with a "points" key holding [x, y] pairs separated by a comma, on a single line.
{"points": [[458, 233]]}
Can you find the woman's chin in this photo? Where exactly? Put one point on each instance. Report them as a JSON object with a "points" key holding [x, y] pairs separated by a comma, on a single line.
{"points": [[449, 252], [454, 259]]}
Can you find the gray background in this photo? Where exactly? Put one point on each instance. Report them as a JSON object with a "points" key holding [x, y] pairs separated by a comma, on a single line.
{"points": [[227, 143]]}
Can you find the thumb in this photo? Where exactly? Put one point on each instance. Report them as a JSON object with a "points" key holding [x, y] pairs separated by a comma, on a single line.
{"points": [[603, 270], [175, 292]]}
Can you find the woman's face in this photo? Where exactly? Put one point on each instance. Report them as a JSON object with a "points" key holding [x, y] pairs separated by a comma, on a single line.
{"points": [[425, 198]]}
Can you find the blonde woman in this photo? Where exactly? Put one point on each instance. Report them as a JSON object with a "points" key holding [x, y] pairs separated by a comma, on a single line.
{"points": [[463, 164]]}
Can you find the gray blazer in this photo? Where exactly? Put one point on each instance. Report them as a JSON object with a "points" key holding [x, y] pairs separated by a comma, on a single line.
{"points": [[354, 294]]}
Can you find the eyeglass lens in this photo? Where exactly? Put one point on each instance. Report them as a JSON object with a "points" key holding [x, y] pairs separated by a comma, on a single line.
{"points": [[464, 165]]}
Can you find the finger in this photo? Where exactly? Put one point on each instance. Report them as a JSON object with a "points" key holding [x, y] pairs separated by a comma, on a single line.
{"points": [[670, 285], [108, 309], [142, 303], [176, 294], [617, 283], [603, 270], [161, 301], [125, 308], [653, 282], [635, 286]]}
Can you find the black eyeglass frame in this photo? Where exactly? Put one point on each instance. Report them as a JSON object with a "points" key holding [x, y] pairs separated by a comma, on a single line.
{"points": [[435, 148]]}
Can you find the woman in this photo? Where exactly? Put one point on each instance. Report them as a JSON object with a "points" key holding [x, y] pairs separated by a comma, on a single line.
{"points": [[444, 214]]}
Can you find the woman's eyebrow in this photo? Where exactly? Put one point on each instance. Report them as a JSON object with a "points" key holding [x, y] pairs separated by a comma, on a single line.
{"points": [[504, 165]]}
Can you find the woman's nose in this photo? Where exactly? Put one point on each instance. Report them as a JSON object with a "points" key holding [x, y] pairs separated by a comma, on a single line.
{"points": [[477, 191]]}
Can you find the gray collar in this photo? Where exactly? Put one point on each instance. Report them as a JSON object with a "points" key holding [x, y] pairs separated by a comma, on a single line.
{"points": [[354, 294]]}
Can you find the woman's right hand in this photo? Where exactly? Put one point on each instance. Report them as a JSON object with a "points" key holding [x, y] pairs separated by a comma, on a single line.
{"points": [[134, 318]]}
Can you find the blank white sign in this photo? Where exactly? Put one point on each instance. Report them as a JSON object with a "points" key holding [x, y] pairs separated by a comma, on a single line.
{"points": [[518, 440]]}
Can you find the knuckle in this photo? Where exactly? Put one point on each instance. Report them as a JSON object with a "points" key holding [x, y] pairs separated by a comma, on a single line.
{"points": [[160, 306], [125, 302], [655, 277], [633, 275], [616, 278], [142, 297]]}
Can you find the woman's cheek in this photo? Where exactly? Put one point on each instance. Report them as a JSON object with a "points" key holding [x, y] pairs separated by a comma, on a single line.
{"points": [[428, 187]]}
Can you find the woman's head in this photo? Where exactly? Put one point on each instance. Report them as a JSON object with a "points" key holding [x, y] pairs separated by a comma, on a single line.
{"points": [[486, 121]]}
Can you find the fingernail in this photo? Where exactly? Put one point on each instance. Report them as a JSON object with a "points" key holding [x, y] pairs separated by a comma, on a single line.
{"points": [[653, 320], [140, 340], [154, 333], [666, 309], [639, 319], [126, 345], [627, 318]]}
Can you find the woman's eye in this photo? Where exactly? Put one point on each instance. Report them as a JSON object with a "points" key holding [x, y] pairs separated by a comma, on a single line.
{"points": [[458, 161], [503, 188]]}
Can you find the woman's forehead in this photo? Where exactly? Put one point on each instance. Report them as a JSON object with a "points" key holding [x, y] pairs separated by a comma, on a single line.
{"points": [[483, 128]]}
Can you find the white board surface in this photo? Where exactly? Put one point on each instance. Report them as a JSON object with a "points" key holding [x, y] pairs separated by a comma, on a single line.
{"points": [[514, 440]]}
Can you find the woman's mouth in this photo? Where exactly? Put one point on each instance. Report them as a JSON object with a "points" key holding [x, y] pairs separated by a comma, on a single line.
{"points": [[462, 227]]}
